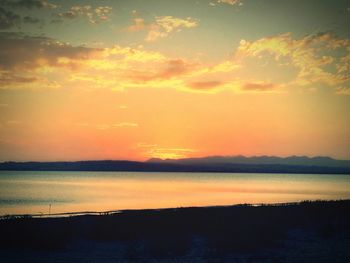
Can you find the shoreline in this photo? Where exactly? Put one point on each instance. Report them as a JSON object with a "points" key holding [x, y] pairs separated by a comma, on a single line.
{"points": [[118, 211]]}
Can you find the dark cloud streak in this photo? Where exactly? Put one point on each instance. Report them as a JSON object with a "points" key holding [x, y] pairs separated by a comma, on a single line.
{"points": [[31, 20], [28, 4], [17, 50], [205, 85], [8, 19]]}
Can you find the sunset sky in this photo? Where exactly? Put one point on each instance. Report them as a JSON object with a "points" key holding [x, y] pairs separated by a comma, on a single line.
{"points": [[138, 79]]}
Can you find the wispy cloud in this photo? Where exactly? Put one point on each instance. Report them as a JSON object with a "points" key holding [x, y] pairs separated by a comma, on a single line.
{"points": [[8, 78], [156, 151], [343, 91], [169, 153], [10, 15], [29, 4], [314, 56], [8, 19], [49, 62], [167, 69], [93, 14], [229, 2], [162, 27], [138, 24], [26, 52], [105, 126], [32, 20], [125, 124], [259, 86], [205, 85]]}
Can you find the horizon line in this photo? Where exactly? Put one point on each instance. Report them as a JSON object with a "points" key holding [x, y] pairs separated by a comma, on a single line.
{"points": [[175, 159]]}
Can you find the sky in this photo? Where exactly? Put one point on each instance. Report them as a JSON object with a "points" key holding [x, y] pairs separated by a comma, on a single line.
{"points": [[140, 79]]}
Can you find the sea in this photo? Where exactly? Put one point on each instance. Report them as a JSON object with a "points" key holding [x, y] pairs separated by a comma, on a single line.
{"points": [[43, 193]]}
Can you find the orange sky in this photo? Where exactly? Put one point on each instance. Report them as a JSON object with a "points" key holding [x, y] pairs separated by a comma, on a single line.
{"points": [[136, 80]]}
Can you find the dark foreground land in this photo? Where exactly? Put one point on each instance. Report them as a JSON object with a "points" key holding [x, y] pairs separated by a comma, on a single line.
{"points": [[303, 232]]}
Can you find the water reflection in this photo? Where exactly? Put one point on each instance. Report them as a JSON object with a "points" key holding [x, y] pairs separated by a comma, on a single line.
{"points": [[33, 192]]}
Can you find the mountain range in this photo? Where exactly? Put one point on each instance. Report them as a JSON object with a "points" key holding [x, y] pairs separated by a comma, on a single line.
{"points": [[239, 159], [239, 164]]}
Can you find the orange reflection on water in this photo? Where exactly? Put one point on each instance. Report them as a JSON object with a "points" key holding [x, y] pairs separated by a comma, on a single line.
{"points": [[73, 192]]}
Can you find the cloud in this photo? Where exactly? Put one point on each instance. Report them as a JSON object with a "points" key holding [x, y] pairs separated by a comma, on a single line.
{"points": [[169, 23], [230, 2], [109, 126], [343, 91], [13, 80], [102, 12], [29, 4], [7, 78], [125, 124], [19, 51], [25, 59], [166, 70], [41, 62], [205, 85], [321, 58], [164, 25], [155, 151], [28, 62], [138, 25], [161, 27], [174, 67], [258, 86], [32, 20], [8, 19], [134, 54], [93, 15]]}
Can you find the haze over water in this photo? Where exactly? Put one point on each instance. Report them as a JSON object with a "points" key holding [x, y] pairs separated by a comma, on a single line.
{"points": [[33, 192]]}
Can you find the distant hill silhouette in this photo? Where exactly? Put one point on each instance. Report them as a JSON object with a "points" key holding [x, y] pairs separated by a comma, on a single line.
{"points": [[232, 164], [239, 159]]}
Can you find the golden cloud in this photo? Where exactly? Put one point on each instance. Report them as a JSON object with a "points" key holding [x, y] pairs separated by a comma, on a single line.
{"points": [[155, 151], [205, 85], [93, 15], [230, 2], [314, 56], [343, 91], [161, 27], [51, 63], [138, 25]]}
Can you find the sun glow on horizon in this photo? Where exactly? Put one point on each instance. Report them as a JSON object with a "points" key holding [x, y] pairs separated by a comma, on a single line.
{"points": [[160, 80]]}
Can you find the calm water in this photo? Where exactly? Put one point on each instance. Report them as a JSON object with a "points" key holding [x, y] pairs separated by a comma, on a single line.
{"points": [[33, 192]]}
